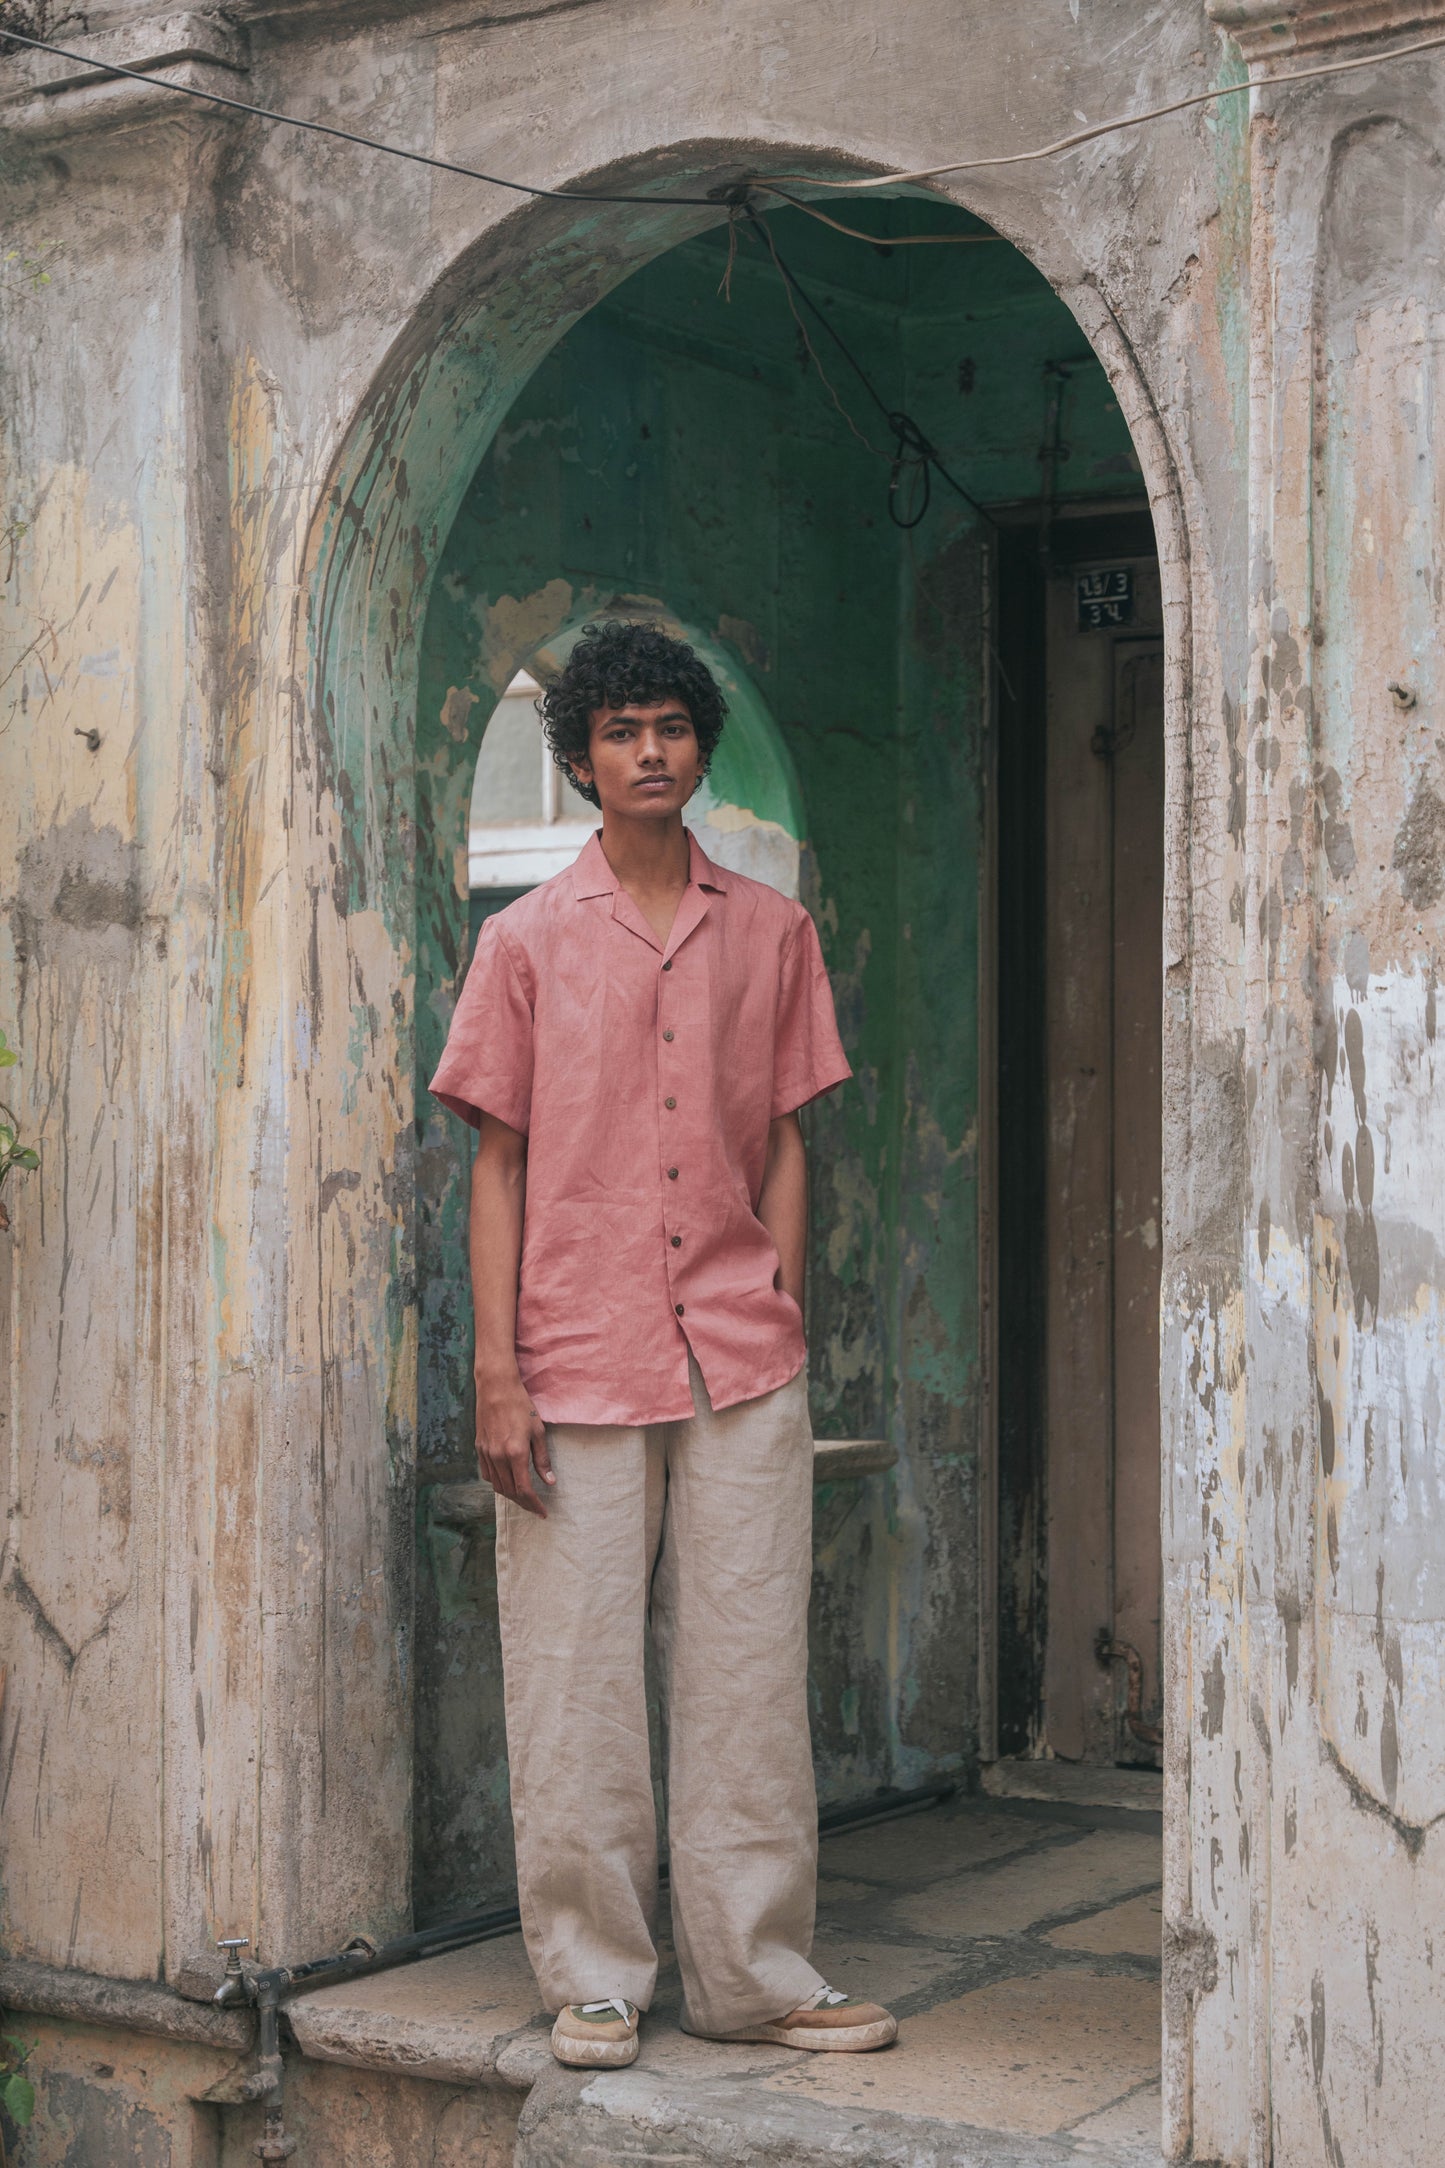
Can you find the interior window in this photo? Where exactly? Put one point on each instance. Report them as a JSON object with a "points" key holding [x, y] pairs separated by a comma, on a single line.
{"points": [[527, 822]]}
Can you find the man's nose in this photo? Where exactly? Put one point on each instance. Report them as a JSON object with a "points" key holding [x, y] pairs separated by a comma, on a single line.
{"points": [[650, 750]]}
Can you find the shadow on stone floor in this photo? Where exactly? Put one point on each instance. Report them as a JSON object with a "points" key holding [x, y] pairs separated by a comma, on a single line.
{"points": [[1017, 1941]]}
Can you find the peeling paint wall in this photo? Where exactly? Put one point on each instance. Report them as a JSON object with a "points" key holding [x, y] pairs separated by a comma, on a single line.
{"points": [[220, 550]]}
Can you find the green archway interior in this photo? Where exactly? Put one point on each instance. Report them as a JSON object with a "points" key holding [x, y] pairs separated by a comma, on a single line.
{"points": [[677, 448]]}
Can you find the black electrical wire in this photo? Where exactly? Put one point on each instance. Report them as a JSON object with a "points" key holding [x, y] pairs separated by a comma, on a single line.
{"points": [[345, 135], [1091, 133], [891, 179], [911, 448]]}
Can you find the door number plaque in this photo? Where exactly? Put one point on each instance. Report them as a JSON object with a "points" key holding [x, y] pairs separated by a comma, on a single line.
{"points": [[1106, 598]]}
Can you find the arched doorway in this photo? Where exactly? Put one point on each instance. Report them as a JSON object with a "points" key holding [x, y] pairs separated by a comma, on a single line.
{"points": [[677, 443], [667, 448]]}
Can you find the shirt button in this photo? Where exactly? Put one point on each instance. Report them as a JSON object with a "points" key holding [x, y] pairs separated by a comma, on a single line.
{"points": [[678, 1307], [672, 1174], [677, 1242], [667, 1035], [669, 1102], [668, 965]]}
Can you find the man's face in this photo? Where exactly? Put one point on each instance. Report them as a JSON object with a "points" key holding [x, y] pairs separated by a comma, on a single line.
{"points": [[643, 759]]}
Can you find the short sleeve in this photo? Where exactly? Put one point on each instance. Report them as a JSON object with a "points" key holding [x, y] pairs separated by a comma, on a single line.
{"points": [[487, 1065], [808, 1055]]}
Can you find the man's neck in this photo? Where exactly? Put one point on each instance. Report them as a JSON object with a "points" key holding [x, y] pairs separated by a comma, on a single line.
{"points": [[650, 858]]}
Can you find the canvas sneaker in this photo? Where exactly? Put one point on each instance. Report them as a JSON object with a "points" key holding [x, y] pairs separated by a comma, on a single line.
{"points": [[827, 2021], [596, 2035]]}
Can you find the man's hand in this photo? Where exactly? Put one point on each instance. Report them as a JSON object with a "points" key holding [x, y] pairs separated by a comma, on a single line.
{"points": [[783, 1202], [511, 1441], [510, 1438]]}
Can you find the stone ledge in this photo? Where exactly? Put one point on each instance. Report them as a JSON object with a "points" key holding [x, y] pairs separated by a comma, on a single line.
{"points": [[1075, 1784], [1268, 29], [142, 2006], [633, 2116], [835, 1460], [44, 95], [466, 2018], [1008, 1941]]}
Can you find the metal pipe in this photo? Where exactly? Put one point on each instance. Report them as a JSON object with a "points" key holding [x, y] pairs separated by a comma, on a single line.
{"points": [[1122, 1652], [362, 1956], [263, 1987], [267, 2081]]}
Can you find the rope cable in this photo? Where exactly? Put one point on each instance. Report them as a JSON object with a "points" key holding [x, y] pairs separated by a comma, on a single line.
{"points": [[912, 450], [912, 454], [1120, 121], [852, 184], [876, 240]]}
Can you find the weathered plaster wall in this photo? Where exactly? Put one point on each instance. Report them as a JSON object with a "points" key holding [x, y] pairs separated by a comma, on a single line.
{"points": [[306, 355], [108, 2100], [97, 845], [678, 445], [347, 337]]}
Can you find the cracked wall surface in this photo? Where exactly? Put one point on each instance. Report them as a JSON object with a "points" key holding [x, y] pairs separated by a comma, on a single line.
{"points": [[219, 550]]}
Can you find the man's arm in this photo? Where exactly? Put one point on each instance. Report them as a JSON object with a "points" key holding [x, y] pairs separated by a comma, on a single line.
{"points": [[511, 1438], [783, 1205]]}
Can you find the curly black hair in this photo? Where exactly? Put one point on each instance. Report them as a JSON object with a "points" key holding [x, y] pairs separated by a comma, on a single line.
{"points": [[615, 665]]}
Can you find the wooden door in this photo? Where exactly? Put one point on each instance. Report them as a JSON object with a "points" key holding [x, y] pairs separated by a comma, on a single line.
{"points": [[1103, 846]]}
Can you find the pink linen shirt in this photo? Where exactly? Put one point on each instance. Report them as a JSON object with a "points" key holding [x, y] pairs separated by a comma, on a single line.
{"points": [[644, 1078]]}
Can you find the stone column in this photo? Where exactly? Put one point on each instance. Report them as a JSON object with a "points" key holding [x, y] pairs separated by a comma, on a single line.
{"points": [[207, 1579], [129, 1522], [1319, 1751]]}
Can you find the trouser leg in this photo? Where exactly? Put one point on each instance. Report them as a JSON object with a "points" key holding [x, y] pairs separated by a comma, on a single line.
{"points": [[730, 1613], [572, 1596]]}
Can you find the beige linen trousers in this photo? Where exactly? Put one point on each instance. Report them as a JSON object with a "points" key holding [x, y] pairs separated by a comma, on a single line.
{"points": [[705, 1526]]}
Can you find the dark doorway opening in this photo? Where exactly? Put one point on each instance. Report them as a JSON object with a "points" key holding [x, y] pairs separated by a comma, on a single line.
{"points": [[1079, 853]]}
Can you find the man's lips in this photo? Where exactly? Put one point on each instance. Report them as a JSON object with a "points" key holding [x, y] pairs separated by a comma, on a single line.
{"points": [[654, 782]]}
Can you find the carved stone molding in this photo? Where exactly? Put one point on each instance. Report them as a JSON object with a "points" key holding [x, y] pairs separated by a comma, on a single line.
{"points": [[42, 94], [1265, 30]]}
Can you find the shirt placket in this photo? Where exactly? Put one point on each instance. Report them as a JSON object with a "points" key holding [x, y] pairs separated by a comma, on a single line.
{"points": [[671, 1088]]}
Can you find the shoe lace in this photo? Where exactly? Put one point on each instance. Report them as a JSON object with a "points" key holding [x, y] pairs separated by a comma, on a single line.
{"points": [[609, 2002], [824, 1998]]}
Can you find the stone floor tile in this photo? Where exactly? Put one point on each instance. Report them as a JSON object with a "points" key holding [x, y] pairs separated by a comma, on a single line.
{"points": [[1060, 1877], [836, 1890], [1077, 1784], [1132, 1929], [1134, 2120], [667, 2051], [1033, 2054], [875, 1971], [921, 1846]]}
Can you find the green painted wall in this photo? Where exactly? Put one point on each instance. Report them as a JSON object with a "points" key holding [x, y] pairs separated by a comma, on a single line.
{"points": [[677, 446]]}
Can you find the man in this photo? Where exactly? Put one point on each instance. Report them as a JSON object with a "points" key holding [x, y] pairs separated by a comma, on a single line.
{"points": [[633, 1043]]}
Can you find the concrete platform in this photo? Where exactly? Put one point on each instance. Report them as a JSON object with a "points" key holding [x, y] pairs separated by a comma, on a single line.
{"points": [[1019, 1947]]}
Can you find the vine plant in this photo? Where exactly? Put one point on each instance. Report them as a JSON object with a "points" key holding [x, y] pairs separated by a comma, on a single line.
{"points": [[17, 2094], [13, 1153]]}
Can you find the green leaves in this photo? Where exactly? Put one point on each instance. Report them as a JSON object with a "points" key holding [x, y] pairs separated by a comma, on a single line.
{"points": [[12, 1152], [17, 2094], [19, 2099]]}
